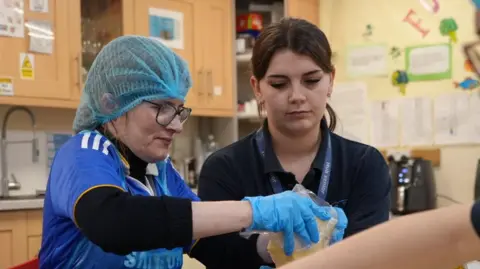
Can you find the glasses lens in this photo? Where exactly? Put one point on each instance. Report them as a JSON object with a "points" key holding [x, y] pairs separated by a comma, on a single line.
{"points": [[184, 114], [165, 114], [472, 52]]}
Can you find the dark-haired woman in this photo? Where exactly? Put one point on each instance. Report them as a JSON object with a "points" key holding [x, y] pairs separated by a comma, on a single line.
{"points": [[292, 79]]}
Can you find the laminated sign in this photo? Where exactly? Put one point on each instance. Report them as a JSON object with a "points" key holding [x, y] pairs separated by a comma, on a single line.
{"points": [[27, 66]]}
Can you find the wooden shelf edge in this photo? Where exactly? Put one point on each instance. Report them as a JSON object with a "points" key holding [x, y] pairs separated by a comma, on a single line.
{"points": [[38, 102], [431, 154]]}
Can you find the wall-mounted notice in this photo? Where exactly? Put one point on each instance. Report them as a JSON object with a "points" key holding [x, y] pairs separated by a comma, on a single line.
{"points": [[54, 142], [452, 119], [39, 6], [371, 60], [351, 106], [166, 26], [27, 66], [385, 125], [41, 36], [11, 18], [432, 62], [416, 121], [6, 86], [475, 117]]}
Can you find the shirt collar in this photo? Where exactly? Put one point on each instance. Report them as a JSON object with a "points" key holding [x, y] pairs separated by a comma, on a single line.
{"points": [[151, 170], [271, 162]]}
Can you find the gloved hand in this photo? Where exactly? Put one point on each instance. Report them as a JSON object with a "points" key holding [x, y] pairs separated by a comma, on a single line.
{"points": [[342, 223], [289, 213], [265, 267]]}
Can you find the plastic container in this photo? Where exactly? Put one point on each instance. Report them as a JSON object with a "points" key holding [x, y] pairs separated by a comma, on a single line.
{"points": [[325, 228]]}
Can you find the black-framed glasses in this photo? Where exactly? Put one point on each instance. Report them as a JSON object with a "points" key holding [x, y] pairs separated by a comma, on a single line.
{"points": [[166, 112], [472, 52]]}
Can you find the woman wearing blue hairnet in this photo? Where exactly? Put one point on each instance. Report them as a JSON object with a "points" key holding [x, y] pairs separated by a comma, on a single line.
{"points": [[113, 198]]}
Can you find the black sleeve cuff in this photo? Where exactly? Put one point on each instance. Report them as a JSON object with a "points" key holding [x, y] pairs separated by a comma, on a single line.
{"points": [[179, 212], [476, 217]]}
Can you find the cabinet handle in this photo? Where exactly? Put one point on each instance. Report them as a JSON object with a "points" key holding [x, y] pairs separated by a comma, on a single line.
{"points": [[200, 83], [210, 83]]}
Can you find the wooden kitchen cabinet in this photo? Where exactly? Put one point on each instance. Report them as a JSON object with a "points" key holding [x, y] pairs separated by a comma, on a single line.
{"points": [[80, 29], [94, 23], [20, 236], [207, 47], [46, 83], [305, 9]]}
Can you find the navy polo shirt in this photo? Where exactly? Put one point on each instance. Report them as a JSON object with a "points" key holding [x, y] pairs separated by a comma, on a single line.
{"points": [[360, 181]]}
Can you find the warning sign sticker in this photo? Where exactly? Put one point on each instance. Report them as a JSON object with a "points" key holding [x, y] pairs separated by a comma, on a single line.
{"points": [[6, 86], [27, 66]]}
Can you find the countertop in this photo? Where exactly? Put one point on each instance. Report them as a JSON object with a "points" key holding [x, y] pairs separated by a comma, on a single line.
{"points": [[21, 204]]}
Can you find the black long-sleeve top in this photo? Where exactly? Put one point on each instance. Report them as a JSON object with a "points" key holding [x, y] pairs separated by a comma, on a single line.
{"points": [[107, 215]]}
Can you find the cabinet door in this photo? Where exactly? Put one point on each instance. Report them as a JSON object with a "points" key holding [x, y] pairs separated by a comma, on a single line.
{"points": [[13, 243], [93, 24], [47, 75], [34, 232], [305, 9], [151, 19], [218, 56]]}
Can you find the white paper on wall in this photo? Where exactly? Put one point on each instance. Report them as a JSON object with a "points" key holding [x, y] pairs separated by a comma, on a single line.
{"points": [[369, 60], [475, 116], [452, 119], [416, 121], [385, 124], [349, 100]]}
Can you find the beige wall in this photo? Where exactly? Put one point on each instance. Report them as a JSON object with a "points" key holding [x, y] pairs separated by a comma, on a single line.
{"points": [[344, 22]]}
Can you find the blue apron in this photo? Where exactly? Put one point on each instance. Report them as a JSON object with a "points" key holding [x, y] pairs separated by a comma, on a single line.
{"points": [[327, 166]]}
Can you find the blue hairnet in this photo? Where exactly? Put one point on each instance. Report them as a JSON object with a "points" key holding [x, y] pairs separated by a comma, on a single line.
{"points": [[127, 71]]}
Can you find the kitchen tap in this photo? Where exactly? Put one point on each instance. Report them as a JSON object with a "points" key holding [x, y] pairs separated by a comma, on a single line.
{"points": [[6, 183]]}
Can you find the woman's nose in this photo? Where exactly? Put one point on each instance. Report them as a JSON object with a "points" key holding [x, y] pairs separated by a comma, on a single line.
{"points": [[297, 94], [176, 125]]}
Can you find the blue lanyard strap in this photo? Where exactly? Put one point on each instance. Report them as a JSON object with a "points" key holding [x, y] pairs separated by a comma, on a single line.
{"points": [[327, 166]]}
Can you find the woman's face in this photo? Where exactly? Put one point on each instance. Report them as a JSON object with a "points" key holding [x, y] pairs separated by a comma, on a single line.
{"points": [[294, 92], [143, 135]]}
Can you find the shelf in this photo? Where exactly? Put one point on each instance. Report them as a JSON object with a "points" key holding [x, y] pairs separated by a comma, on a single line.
{"points": [[244, 57]]}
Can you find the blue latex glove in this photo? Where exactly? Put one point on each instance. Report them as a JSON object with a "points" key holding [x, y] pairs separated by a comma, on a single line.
{"points": [[342, 223], [289, 213], [265, 267]]}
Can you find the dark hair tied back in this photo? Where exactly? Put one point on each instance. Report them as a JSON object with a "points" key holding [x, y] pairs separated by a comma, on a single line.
{"points": [[299, 36]]}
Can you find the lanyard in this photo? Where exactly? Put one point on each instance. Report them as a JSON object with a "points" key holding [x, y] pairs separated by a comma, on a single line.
{"points": [[327, 166]]}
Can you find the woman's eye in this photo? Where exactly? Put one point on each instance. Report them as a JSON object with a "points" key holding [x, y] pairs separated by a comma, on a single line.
{"points": [[312, 81], [278, 85]]}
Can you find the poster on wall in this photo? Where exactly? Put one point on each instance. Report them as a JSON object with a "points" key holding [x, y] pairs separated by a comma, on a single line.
{"points": [[430, 62], [351, 106], [453, 118], [166, 26], [365, 61], [11, 18], [385, 128], [417, 121]]}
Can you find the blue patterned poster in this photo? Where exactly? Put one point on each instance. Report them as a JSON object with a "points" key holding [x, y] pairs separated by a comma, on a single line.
{"points": [[54, 142], [166, 26]]}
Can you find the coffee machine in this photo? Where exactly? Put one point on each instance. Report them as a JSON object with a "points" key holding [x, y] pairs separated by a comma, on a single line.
{"points": [[413, 185]]}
